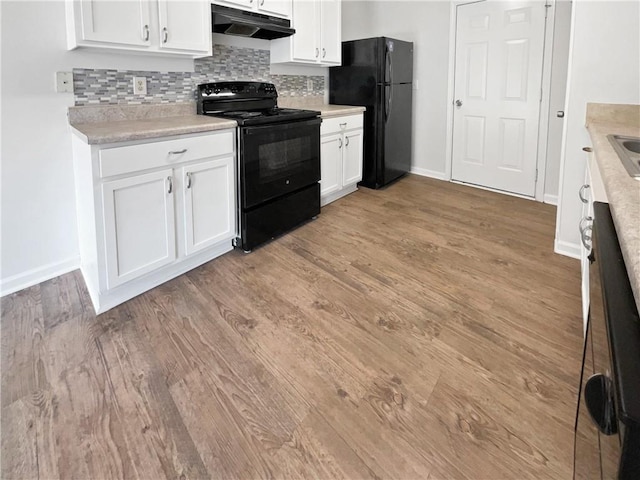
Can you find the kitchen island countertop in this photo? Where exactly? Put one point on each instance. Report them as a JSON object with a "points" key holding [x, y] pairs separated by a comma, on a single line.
{"points": [[623, 191]]}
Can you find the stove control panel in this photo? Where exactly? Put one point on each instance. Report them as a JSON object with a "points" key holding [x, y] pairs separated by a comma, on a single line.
{"points": [[237, 90]]}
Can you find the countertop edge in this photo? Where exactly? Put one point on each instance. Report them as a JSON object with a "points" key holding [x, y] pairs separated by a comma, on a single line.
{"points": [[623, 193], [101, 133]]}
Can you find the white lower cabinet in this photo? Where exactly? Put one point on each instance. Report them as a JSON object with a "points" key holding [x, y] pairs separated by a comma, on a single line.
{"points": [[340, 156], [138, 225], [150, 211], [592, 191], [208, 214]]}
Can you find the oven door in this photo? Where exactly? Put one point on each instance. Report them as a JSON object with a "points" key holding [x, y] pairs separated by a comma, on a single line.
{"points": [[278, 159]]}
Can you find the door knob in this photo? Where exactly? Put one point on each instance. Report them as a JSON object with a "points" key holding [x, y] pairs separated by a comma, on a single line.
{"points": [[458, 103]]}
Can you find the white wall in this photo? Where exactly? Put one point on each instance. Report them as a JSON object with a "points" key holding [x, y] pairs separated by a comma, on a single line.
{"points": [[37, 225], [604, 67], [426, 24]]}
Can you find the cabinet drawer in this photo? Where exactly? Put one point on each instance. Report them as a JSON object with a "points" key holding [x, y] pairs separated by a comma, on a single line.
{"points": [[338, 124], [132, 158]]}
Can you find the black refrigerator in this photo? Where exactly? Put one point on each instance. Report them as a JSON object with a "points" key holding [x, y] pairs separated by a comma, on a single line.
{"points": [[377, 73]]}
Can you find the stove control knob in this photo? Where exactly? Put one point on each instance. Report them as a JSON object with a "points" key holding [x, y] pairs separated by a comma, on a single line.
{"points": [[216, 91]]}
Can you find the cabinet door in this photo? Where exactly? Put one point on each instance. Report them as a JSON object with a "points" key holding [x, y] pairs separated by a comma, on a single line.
{"points": [[185, 25], [242, 4], [330, 33], [352, 158], [122, 22], [209, 203], [305, 22], [281, 8], [330, 164], [139, 225]]}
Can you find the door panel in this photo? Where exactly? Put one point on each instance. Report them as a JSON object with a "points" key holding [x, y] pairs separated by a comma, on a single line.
{"points": [[305, 21], [208, 203], [352, 157], [498, 81], [184, 25], [331, 164], [121, 22], [397, 131], [139, 225]]}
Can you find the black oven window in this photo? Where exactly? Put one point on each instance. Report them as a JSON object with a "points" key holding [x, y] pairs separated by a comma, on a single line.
{"points": [[279, 159]]}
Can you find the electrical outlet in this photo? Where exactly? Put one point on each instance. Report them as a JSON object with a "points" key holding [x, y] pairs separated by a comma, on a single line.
{"points": [[139, 85], [309, 85], [64, 82]]}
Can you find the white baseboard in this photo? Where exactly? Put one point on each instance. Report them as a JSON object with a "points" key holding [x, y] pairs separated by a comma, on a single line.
{"points": [[550, 199], [424, 172], [568, 249], [37, 275]]}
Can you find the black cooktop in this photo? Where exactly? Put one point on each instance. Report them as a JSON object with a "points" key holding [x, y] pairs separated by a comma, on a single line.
{"points": [[248, 103]]}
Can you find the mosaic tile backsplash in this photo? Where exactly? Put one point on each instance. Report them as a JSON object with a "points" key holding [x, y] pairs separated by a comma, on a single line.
{"points": [[114, 87]]}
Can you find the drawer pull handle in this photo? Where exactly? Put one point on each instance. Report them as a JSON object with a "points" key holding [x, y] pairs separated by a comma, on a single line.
{"points": [[343, 125], [587, 149], [188, 179], [583, 199], [586, 239], [170, 180], [178, 152], [582, 221]]}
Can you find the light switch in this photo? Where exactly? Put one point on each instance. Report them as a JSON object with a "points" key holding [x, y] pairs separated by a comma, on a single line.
{"points": [[64, 82]]}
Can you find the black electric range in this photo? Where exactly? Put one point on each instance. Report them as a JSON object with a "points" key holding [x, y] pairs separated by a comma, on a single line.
{"points": [[248, 103], [278, 158]]}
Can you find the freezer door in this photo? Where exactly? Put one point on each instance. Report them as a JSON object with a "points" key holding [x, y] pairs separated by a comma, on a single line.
{"points": [[397, 131], [398, 61]]}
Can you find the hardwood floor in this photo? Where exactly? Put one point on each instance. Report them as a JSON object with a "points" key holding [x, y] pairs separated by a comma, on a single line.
{"points": [[423, 331]]}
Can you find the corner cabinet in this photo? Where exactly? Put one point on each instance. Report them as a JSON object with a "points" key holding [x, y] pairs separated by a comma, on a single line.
{"points": [[170, 27], [278, 8], [150, 211], [318, 39], [341, 142]]}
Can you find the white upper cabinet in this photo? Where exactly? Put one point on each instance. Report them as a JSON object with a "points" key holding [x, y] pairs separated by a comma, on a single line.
{"points": [[184, 25], [317, 40], [279, 8], [180, 27], [125, 23]]}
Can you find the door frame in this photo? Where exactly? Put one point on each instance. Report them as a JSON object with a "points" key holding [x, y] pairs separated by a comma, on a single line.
{"points": [[543, 118]]}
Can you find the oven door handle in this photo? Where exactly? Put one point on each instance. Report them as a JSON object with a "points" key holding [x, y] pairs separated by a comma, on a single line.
{"points": [[280, 126]]}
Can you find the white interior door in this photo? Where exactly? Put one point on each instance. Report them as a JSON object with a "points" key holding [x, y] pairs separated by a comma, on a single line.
{"points": [[498, 79]]}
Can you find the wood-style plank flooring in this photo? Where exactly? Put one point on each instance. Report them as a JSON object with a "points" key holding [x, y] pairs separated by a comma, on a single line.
{"points": [[425, 331]]}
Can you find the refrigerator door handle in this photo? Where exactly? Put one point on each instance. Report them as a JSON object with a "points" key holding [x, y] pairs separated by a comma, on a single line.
{"points": [[388, 93], [387, 65]]}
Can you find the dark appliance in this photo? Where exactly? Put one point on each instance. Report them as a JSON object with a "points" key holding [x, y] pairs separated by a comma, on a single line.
{"points": [[233, 21], [607, 429], [378, 73], [278, 158]]}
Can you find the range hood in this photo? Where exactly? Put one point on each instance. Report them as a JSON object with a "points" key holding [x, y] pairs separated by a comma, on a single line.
{"points": [[249, 24]]}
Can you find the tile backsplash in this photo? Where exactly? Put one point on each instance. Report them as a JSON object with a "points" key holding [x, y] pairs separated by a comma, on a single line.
{"points": [[115, 87]]}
